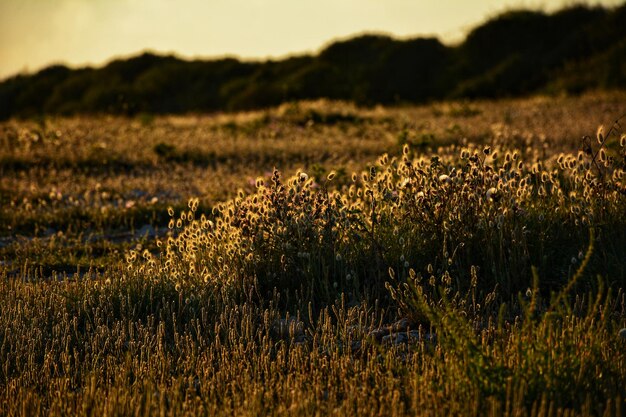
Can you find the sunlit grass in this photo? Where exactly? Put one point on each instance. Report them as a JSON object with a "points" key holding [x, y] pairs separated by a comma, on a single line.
{"points": [[455, 259]]}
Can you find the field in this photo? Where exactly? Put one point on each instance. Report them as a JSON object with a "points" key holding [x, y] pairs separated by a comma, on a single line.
{"points": [[457, 258]]}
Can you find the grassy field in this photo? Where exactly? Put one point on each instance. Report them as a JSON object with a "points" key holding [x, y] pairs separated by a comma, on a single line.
{"points": [[317, 258]]}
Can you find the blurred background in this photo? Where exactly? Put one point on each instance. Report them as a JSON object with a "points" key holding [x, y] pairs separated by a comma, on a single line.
{"points": [[163, 56]]}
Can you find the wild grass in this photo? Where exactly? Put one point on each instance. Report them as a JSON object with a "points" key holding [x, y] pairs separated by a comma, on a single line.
{"points": [[365, 272]]}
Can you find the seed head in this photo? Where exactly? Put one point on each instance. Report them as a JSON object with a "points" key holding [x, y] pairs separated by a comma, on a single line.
{"points": [[492, 194], [445, 179], [600, 134]]}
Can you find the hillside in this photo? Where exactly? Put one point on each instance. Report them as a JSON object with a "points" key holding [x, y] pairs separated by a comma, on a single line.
{"points": [[516, 53]]}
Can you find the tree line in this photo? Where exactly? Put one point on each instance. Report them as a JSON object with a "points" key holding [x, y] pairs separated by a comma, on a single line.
{"points": [[515, 53]]}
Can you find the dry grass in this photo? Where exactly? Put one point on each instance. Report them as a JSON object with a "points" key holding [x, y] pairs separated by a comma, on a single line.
{"points": [[250, 264]]}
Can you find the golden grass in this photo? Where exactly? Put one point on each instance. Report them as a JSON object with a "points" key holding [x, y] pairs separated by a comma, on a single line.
{"points": [[282, 244]]}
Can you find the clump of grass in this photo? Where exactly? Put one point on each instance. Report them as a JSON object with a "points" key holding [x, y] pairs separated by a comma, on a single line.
{"points": [[532, 355], [507, 208]]}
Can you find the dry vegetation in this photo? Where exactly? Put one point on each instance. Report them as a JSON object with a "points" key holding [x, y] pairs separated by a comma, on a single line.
{"points": [[317, 258]]}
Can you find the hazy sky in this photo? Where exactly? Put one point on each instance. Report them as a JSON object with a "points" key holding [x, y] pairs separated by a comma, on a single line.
{"points": [[36, 33]]}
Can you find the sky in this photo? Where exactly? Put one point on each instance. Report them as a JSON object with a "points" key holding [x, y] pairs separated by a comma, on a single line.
{"points": [[38, 33]]}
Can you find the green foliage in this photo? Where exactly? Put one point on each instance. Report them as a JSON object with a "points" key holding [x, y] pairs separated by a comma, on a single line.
{"points": [[550, 350]]}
